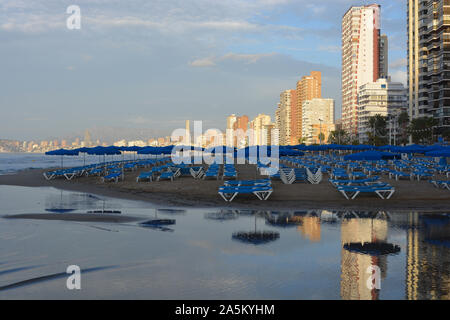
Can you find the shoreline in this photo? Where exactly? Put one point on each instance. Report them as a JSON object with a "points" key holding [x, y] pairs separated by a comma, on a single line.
{"points": [[187, 192]]}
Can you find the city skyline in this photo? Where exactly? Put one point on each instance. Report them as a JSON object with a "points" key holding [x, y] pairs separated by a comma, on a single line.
{"points": [[264, 47]]}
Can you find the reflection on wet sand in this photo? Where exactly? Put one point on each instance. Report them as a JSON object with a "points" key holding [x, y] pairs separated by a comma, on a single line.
{"points": [[428, 257], [301, 253], [354, 266]]}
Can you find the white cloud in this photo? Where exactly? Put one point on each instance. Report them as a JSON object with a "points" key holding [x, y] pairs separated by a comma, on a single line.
{"points": [[399, 76], [399, 63], [206, 62], [330, 48], [246, 58]]}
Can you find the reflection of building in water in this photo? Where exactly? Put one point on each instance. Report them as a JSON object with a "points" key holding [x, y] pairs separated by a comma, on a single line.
{"points": [[428, 259], [354, 265], [310, 228]]}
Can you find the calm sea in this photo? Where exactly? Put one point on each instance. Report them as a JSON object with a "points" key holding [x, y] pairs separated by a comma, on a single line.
{"points": [[12, 162]]}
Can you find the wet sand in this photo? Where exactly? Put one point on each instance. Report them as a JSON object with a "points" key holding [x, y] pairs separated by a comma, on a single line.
{"points": [[76, 217], [187, 192]]}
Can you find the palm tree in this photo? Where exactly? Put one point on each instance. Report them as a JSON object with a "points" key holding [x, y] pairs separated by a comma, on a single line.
{"points": [[338, 136], [378, 134]]}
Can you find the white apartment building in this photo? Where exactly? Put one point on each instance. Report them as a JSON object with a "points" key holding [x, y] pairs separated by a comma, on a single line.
{"points": [[360, 58], [381, 97]]}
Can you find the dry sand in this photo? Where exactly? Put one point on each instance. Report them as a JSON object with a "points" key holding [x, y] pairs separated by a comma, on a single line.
{"points": [[186, 192]]}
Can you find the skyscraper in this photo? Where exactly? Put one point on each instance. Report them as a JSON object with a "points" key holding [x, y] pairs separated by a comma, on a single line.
{"points": [[429, 60], [384, 57], [283, 117], [360, 58], [259, 127], [309, 87], [240, 131], [231, 120], [87, 138]]}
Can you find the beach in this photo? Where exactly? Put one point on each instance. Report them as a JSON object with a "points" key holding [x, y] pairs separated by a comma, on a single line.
{"points": [[187, 192]]}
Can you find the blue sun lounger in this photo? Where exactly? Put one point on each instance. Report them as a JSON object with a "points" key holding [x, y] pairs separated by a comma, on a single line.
{"points": [[399, 174], [114, 176], [248, 183], [197, 172], [228, 193], [145, 176], [354, 182], [351, 192], [168, 175], [442, 184]]}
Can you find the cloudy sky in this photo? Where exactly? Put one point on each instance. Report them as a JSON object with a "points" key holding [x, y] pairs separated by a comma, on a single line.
{"points": [[145, 66]]}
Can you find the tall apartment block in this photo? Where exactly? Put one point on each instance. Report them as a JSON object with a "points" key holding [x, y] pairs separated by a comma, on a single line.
{"points": [[429, 60], [384, 57], [283, 117], [309, 87], [259, 125], [360, 58]]}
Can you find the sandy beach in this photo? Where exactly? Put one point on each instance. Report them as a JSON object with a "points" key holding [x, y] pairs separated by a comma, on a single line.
{"points": [[187, 192]]}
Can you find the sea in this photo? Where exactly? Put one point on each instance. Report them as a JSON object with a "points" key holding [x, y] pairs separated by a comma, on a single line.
{"points": [[13, 162], [214, 253]]}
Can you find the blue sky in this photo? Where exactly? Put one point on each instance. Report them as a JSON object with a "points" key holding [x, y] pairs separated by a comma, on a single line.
{"points": [[142, 67]]}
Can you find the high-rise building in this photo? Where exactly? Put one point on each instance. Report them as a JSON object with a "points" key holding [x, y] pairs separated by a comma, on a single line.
{"points": [[384, 57], [294, 122], [318, 120], [383, 98], [360, 58], [258, 126], [188, 133], [283, 117], [240, 130], [231, 120], [87, 138], [429, 60], [309, 87]]}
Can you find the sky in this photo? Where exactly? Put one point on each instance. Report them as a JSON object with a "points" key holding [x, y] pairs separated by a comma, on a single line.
{"points": [[142, 67]]}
